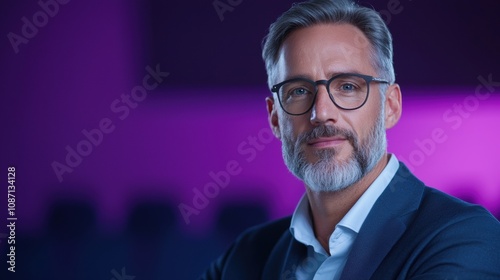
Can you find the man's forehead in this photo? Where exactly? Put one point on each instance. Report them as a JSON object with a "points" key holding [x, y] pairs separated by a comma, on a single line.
{"points": [[341, 47]]}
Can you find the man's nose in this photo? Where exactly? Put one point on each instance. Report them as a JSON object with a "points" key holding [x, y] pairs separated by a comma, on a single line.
{"points": [[323, 110]]}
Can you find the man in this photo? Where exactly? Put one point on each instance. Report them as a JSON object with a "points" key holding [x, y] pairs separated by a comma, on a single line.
{"points": [[364, 215]]}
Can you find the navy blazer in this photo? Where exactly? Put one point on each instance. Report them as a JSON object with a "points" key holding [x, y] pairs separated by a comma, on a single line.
{"points": [[412, 232]]}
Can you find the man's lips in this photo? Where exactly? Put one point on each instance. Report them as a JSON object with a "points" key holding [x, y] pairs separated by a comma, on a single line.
{"points": [[325, 142]]}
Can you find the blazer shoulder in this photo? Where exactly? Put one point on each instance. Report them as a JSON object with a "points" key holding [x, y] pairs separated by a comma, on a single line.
{"points": [[455, 234], [247, 256], [446, 207], [442, 236]]}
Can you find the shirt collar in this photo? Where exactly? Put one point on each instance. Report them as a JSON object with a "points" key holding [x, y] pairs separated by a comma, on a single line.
{"points": [[357, 214], [301, 224]]}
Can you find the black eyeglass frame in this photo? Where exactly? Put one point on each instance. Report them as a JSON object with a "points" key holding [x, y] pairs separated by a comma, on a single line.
{"points": [[327, 83]]}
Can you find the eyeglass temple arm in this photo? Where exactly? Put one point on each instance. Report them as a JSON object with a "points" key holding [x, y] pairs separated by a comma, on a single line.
{"points": [[380, 80]]}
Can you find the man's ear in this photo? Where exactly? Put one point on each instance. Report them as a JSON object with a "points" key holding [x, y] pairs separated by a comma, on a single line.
{"points": [[273, 117], [393, 105]]}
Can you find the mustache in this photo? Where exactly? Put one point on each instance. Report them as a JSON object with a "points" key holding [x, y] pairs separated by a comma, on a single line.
{"points": [[327, 131]]}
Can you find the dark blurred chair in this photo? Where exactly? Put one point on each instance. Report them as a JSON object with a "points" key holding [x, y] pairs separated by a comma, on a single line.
{"points": [[71, 232], [71, 220], [235, 217], [151, 227], [149, 221]]}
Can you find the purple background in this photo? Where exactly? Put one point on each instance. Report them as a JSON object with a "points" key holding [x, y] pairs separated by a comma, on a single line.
{"points": [[119, 206]]}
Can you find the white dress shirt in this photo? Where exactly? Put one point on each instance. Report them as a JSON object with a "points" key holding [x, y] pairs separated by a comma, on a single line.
{"points": [[318, 265]]}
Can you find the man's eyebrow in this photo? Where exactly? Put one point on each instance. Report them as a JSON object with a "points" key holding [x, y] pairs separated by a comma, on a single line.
{"points": [[335, 73], [299, 76], [328, 76]]}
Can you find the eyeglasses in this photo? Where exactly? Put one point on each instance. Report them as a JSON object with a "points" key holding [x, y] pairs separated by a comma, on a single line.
{"points": [[348, 91]]}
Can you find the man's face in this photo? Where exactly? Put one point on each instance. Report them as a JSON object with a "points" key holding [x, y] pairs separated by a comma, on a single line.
{"points": [[329, 148]]}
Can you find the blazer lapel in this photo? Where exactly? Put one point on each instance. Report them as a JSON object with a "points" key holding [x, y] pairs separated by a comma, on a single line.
{"points": [[384, 225], [284, 258]]}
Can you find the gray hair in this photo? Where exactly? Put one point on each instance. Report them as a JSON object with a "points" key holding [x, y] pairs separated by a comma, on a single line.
{"points": [[313, 12]]}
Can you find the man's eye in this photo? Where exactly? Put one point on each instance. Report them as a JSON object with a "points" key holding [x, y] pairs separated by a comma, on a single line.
{"points": [[347, 87], [299, 91]]}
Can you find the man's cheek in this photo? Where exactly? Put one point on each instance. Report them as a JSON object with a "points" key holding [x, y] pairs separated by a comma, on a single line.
{"points": [[287, 130]]}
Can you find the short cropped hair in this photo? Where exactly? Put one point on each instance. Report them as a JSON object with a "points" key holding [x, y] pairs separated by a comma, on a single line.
{"points": [[314, 12]]}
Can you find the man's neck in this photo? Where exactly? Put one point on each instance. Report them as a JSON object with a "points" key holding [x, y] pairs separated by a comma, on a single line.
{"points": [[328, 209]]}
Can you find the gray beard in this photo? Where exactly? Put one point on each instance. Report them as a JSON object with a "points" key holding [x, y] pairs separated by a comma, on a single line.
{"points": [[329, 174]]}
